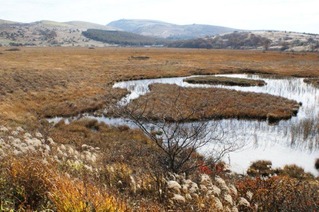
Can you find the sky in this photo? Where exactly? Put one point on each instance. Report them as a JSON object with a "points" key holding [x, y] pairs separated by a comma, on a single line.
{"points": [[286, 15]]}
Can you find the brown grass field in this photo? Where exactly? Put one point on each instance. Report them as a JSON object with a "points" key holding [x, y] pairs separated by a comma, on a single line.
{"points": [[40, 82], [90, 166], [196, 104]]}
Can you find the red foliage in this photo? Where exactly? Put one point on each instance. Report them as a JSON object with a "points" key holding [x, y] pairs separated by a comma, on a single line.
{"points": [[213, 168], [204, 169]]}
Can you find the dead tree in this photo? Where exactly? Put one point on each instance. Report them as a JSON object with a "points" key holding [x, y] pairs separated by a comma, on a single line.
{"points": [[177, 130]]}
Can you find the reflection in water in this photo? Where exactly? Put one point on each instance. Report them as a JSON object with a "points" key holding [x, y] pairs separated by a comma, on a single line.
{"points": [[291, 141], [294, 141]]}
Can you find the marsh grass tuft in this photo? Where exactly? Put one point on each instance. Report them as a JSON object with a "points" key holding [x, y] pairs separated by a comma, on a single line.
{"points": [[140, 57], [13, 50], [215, 103], [212, 80], [312, 81], [305, 131]]}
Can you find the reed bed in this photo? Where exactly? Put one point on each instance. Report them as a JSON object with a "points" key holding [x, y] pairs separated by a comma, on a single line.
{"points": [[211, 103], [212, 80], [312, 81]]}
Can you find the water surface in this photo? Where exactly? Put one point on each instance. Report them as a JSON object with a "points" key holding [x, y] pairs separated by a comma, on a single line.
{"points": [[294, 141]]}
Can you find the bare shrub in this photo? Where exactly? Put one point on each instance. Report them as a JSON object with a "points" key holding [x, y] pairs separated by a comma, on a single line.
{"points": [[177, 139], [260, 168], [295, 171]]}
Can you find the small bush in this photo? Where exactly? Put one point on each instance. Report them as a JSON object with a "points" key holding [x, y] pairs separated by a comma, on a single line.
{"points": [[280, 193], [317, 164], [13, 49], [295, 171], [142, 57], [260, 168]]}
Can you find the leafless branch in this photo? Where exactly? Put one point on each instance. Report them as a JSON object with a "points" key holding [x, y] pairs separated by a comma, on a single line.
{"points": [[178, 136]]}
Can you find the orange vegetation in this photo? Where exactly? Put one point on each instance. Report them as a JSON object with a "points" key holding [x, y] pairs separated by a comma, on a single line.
{"points": [[39, 82]]}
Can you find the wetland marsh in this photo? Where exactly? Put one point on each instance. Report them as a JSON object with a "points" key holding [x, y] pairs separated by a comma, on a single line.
{"points": [[97, 151], [281, 142]]}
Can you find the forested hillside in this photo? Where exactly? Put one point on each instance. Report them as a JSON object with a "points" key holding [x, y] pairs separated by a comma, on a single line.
{"points": [[122, 38]]}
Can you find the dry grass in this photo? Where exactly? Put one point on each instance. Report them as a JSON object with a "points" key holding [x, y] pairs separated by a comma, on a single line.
{"points": [[33, 182], [29, 184], [44, 82], [118, 144], [280, 193], [211, 103], [39, 82]]}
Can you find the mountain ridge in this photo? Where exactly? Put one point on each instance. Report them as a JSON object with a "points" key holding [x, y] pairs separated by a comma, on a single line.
{"points": [[152, 32], [2, 21], [168, 30], [48, 33]]}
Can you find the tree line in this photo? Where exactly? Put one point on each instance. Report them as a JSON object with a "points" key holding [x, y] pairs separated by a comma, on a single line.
{"points": [[122, 38]]}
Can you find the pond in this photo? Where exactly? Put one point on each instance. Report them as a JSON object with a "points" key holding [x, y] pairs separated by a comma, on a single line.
{"points": [[294, 141]]}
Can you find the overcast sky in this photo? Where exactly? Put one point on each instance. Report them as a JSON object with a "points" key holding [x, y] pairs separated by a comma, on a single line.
{"points": [[290, 15]]}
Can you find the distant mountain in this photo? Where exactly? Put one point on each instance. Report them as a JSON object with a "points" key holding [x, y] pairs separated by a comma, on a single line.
{"points": [[290, 41], [6, 22], [87, 25], [148, 32], [168, 30], [262, 40], [47, 33]]}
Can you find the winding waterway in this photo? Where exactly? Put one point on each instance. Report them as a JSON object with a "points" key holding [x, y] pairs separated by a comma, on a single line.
{"points": [[294, 141]]}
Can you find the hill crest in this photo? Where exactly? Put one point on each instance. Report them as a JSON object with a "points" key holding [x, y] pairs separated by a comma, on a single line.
{"points": [[167, 30]]}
